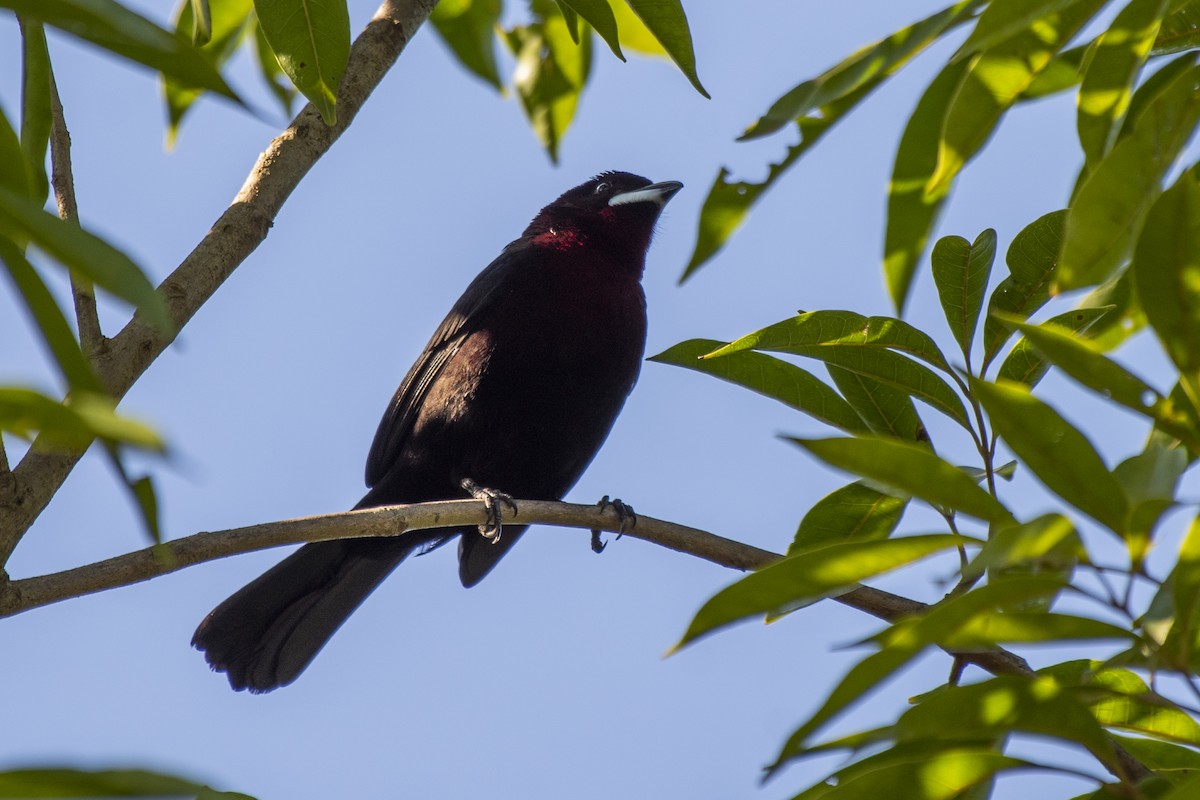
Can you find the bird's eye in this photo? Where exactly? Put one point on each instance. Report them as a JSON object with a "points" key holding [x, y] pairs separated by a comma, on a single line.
{"points": [[601, 188]]}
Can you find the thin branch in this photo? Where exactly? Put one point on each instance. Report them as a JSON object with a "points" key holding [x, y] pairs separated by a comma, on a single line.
{"points": [[242, 227], [28, 593], [62, 178]]}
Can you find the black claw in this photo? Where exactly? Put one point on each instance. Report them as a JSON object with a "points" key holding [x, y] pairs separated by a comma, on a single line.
{"points": [[626, 515], [492, 499]]}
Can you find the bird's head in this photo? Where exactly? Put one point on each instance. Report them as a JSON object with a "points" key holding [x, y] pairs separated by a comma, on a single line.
{"points": [[615, 211]]}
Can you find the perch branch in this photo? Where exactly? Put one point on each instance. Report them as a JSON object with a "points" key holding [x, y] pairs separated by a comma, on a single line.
{"points": [[28, 593]]}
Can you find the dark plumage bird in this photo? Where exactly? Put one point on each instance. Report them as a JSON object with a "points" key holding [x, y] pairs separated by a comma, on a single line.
{"points": [[515, 392]]}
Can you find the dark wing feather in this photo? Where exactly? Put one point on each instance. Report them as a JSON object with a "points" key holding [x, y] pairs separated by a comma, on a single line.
{"points": [[463, 319]]}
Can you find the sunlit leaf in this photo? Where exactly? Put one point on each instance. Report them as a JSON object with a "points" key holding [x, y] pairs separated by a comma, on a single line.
{"points": [[948, 773], [202, 29], [881, 58], [268, 65], [1111, 73], [1002, 21], [1180, 30], [1108, 212], [769, 376], [1032, 259], [110, 25], [468, 27], [1166, 274], [1062, 73], [668, 22], [911, 469], [1048, 541], [1120, 699], [100, 262], [1001, 705], [74, 424], [960, 271], [1126, 317], [821, 572], [1057, 453], [1024, 364], [227, 25], [551, 73], [311, 39], [997, 77], [854, 513]]}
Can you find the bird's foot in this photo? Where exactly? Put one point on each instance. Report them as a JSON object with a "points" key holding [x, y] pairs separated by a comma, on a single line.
{"points": [[492, 499], [626, 515]]}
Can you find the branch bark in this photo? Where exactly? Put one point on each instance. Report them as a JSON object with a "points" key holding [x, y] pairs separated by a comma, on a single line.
{"points": [[23, 595], [244, 225]]}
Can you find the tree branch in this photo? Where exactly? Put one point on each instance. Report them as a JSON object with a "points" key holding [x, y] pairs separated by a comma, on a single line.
{"points": [[23, 595], [235, 235]]}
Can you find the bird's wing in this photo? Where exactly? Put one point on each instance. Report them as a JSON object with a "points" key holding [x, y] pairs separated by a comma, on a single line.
{"points": [[402, 412]]}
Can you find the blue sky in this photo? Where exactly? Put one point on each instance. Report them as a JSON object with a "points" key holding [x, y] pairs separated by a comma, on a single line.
{"points": [[547, 679]]}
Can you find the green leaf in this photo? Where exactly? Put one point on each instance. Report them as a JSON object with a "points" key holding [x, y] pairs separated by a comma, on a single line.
{"points": [[729, 202], [944, 773], [268, 66], [1062, 73], [1150, 480], [1057, 453], [1111, 72], [884, 57], [1126, 317], [599, 14], [311, 39], [1160, 756], [768, 376], [904, 641], [202, 29], [1184, 583], [74, 424], [100, 262], [468, 27], [911, 211], [12, 180], [1086, 364], [1166, 275], [141, 491], [1024, 364], [120, 31], [1120, 699], [1002, 705], [840, 328], [996, 78], [1111, 205], [550, 75], [66, 782], [1050, 541], [635, 36], [911, 469], [960, 271], [35, 107], [1023, 627], [863, 345], [1032, 259], [51, 324], [854, 513], [668, 22], [1180, 30], [1000, 22], [820, 573], [886, 411], [227, 25]]}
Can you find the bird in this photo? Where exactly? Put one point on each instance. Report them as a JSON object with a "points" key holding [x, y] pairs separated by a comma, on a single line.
{"points": [[512, 397]]}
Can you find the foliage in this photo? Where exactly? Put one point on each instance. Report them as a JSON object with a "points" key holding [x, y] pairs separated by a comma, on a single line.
{"points": [[1129, 232]]}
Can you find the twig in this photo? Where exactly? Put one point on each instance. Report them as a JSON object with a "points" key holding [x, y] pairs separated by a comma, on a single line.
{"points": [[232, 238], [62, 178], [28, 593]]}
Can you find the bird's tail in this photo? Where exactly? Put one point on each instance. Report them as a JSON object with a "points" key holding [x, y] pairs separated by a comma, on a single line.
{"points": [[267, 632]]}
